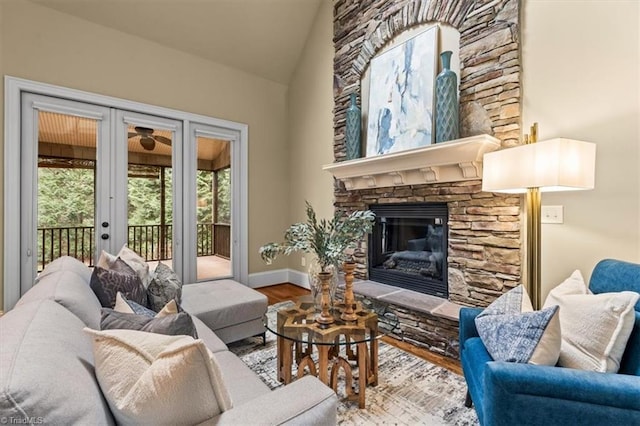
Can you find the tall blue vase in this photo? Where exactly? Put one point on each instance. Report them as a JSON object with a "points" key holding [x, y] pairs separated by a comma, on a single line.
{"points": [[352, 132], [447, 124]]}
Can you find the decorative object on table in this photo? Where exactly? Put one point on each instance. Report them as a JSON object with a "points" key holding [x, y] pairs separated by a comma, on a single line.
{"points": [[447, 122], [553, 165], [349, 301], [401, 96], [327, 239], [352, 131], [325, 316], [315, 285]]}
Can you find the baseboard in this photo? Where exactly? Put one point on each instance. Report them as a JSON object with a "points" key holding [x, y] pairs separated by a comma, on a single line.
{"points": [[264, 279]]}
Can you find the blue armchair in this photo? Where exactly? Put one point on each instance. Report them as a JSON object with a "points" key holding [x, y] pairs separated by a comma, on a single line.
{"points": [[522, 394]]}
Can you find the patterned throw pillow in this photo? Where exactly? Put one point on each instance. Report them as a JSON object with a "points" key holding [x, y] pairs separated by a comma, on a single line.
{"points": [[164, 287], [173, 325], [512, 332], [595, 327], [106, 283], [129, 307]]}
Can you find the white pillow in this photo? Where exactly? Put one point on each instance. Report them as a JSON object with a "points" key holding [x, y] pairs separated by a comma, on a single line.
{"points": [[136, 263], [595, 327], [106, 260], [150, 378]]}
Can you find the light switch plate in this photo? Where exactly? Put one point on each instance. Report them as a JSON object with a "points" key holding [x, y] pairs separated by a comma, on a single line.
{"points": [[552, 214]]}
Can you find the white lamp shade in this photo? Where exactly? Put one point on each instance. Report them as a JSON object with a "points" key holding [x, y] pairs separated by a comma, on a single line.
{"points": [[552, 165]]}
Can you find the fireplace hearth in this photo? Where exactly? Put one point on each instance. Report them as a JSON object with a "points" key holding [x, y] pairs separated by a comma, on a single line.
{"points": [[408, 246]]}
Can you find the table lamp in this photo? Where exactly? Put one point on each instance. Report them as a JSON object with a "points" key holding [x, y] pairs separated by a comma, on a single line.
{"points": [[552, 165]]}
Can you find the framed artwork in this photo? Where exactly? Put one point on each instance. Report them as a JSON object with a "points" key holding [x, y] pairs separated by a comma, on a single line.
{"points": [[401, 96]]}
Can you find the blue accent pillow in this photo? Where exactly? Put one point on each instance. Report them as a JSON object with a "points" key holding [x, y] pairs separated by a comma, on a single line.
{"points": [[512, 332]]}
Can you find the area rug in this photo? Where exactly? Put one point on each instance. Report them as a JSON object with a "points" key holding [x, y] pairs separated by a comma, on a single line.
{"points": [[411, 391]]}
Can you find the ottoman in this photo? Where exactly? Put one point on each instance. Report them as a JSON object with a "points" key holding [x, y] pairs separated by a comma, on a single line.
{"points": [[232, 310]]}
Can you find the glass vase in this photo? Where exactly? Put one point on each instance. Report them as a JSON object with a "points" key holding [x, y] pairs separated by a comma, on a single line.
{"points": [[315, 284]]}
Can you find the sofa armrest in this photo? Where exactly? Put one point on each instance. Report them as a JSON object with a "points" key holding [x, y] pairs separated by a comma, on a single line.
{"points": [[305, 401], [563, 395], [468, 324]]}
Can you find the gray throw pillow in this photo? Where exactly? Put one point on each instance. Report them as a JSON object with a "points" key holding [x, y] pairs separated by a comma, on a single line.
{"points": [[173, 325], [106, 283], [164, 287]]}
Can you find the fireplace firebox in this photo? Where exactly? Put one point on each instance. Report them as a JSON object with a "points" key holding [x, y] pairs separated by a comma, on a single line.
{"points": [[408, 247]]}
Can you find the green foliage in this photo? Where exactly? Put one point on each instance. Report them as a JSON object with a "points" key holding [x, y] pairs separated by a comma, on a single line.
{"points": [[328, 240], [65, 197], [224, 196]]}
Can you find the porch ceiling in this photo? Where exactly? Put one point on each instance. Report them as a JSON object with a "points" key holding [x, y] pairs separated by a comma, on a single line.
{"points": [[80, 133]]}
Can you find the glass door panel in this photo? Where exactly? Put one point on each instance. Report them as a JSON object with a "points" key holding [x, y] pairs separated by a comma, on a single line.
{"points": [[66, 187], [146, 153], [213, 237]]}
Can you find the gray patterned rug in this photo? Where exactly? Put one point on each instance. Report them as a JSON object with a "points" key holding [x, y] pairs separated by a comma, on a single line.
{"points": [[411, 391]]}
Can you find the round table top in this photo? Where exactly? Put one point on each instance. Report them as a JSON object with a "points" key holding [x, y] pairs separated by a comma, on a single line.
{"points": [[296, 322]]}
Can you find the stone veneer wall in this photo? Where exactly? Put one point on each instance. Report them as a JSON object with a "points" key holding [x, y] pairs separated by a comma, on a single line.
{"points": [[484, 250]]}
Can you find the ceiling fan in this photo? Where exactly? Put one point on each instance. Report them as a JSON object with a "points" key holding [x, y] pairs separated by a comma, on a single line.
{"points": [[147, 138]]}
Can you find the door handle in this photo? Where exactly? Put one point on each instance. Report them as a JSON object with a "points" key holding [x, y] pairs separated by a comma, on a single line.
{"points": [[104, 236], [105, 224]]}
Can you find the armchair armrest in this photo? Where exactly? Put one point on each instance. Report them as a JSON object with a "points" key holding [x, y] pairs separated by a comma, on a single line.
{"points": [[305, 401], [514, 391], [468, 324]]}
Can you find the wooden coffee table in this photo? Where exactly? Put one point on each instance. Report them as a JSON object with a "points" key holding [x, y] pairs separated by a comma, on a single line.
{"points": [[299, 335]]}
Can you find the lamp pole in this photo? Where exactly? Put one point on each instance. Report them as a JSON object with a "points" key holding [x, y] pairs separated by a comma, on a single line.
{"points": [[534, 235]]}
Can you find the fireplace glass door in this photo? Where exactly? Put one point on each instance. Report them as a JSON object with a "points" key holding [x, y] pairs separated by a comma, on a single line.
{"points": [[408, 247]]}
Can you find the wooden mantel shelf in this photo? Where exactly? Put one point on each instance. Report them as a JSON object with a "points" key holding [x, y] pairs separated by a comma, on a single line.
{"points": [[452, 161]]}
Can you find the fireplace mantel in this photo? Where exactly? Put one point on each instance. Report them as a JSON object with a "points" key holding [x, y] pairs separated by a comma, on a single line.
{"points": [[452, 161]]}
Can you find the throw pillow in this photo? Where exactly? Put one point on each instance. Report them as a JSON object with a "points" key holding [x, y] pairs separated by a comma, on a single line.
{"points": [[174, 324], [164, 286], [512, 332], [130, 307], [106, 283], [156, 379], [137, 263], [106, 260], [595, 327]]}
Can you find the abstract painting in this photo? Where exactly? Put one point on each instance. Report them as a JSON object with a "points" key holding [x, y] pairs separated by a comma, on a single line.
{"points": [[401, 96]]}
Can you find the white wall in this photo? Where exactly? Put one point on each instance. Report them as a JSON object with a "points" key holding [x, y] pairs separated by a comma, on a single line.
{"points": [[581, 73], [310, 100]]}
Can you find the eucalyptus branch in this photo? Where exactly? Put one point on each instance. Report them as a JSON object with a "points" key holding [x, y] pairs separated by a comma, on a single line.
{"points": [[328, 240]]}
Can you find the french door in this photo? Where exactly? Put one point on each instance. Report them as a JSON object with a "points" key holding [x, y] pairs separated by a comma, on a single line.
{"points": [[96, 178]]}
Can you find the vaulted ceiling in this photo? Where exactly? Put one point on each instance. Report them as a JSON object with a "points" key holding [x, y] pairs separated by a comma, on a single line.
{"points": [[261, 37]]}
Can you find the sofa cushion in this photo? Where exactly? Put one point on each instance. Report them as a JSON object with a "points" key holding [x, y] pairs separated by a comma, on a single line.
{"points": [[243, 384], [130, 307], [515, 336], [69, 289], [164, 286], [66, 263], [151, 378], [595, 327], [223, 303], [173, 324], [46, 367], [106, 283]]}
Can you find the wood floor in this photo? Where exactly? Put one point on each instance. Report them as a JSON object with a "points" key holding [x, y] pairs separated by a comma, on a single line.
{"points": [[281, 292]]}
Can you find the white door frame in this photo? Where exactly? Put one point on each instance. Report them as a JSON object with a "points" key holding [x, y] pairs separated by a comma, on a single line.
{"points": [[14, 87]]}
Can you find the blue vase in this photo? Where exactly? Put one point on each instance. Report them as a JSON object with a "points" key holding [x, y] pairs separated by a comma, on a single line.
{"points": [[447, 124], [352, 132]]}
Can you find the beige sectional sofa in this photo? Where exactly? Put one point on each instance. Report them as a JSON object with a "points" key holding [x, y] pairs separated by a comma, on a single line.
{"points": [[47, 370]]}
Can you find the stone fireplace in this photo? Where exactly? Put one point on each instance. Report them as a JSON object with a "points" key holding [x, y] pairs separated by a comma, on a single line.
{"points": [[483, 248]]}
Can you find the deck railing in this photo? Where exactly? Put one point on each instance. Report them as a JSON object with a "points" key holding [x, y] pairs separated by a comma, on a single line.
{"points": [[153, 242]]}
